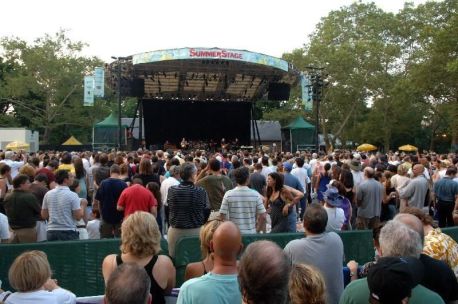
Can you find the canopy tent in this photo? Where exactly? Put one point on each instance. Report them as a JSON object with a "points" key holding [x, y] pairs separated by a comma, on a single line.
{"points": [[105, 133], [17, 145], [366, 147], [298, 133], [72, 141]]}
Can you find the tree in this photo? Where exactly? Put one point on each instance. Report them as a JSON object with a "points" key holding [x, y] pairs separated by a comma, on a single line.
{"points": [[45, 89]]}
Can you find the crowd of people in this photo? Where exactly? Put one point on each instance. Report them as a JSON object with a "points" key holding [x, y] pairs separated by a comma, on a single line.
{"points": [[143, 196]]}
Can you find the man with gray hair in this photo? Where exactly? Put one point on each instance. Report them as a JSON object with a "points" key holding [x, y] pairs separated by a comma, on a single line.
{"points": [[396, 240], [128, 284], [369, 197], [440, 277], [189, 207], [415, 191]]}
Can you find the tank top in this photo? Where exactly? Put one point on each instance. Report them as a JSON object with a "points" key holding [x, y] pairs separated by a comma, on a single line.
{"points": [[157, 293], [279, 221]]}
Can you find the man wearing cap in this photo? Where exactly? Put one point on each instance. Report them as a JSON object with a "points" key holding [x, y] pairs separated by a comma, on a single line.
{"points": [[301, 173], [355, 167], [369, 197], [396, 241]]}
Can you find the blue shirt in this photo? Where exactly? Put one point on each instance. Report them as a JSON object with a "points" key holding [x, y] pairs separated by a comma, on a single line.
{"points": [[211, 289], [446, 189]]}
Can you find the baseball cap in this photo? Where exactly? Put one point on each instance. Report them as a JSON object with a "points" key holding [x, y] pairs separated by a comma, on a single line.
{"points": [[288, 166], [392, 279]]}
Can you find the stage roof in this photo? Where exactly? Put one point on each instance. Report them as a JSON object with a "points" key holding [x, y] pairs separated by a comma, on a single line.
{"points": [[202, 74]]}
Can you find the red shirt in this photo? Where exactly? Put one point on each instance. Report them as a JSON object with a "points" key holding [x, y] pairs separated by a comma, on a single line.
{"points": [[136, 198], [49, 174]]}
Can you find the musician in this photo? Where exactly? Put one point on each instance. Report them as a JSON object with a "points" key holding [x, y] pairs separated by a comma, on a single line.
{"points": [[184, 144]]}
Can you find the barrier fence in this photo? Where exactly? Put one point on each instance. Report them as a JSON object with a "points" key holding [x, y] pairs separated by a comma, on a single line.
{"points": [[78, 264]]}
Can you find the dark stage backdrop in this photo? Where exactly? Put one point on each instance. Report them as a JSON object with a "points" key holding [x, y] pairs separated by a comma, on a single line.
{"points": [[195, 120]]}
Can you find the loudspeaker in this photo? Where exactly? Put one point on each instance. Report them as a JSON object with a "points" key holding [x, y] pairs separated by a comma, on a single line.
{"points": [[138, 88], [278, 91]]}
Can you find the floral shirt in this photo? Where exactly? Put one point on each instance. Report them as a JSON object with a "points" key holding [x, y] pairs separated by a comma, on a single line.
{"points": [[442, 247]]}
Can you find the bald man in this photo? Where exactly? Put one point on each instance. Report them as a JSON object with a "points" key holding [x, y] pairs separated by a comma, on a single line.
{"points": [[369, 197], [220, 286], [416, 190], [439, 276]]}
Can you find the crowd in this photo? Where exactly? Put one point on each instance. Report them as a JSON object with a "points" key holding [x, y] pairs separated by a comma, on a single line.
{"points": [[142, 196]]}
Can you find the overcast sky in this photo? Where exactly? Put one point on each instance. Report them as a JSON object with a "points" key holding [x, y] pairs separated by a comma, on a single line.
{"points": [[122, 28]]}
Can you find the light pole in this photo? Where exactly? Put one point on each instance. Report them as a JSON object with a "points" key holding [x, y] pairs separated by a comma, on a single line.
{"points": [[118, 86]]}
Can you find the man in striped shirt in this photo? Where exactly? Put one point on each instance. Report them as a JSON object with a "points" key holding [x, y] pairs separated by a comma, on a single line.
{"points": [[243, 205]]}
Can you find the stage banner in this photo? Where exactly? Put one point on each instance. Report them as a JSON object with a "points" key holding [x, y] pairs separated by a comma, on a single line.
{"points": [[99, 82], [210, 53], [306, 96], [88, 91]]}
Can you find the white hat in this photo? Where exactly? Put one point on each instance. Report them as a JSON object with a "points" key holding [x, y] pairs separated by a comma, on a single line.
{"points": [[356, 155]]}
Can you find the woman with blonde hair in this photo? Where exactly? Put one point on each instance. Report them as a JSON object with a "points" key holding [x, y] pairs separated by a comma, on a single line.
{"points": [[140, 244], [306, 285], [197, 269], [30, 275]]}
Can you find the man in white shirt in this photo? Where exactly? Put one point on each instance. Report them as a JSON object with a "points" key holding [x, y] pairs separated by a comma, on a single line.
{"points": [[14, 165], [173, 180]]}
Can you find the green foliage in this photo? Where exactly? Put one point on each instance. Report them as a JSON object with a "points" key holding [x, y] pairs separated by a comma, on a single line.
{"points": [[44, 89], [393, 77]]}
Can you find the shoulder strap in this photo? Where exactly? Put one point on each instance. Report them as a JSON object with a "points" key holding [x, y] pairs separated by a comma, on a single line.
{"points": [[150, 265], [118, 260]]}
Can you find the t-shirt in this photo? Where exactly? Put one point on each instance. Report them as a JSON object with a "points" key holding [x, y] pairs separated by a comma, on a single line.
{"points": [[357, 292], [187, 205], [415, 191], [93, 229], [216, 186], [257, 182], [165, 185], [136, 198], [446, 189], [325, 252], [22, 209], [60, 203], [370, 193], [212, 289], [108, 194], [336, 219], [67, 167], [57, 296], [4, 228], [241, 206], [302, 176], [39, 191]]}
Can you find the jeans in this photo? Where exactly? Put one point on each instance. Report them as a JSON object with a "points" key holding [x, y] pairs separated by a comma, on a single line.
{"points": [[62, 235], [445, 213], [292, 219]]}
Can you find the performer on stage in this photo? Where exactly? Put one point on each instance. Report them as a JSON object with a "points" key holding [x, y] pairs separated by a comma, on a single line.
{"points": [[184, 144]]}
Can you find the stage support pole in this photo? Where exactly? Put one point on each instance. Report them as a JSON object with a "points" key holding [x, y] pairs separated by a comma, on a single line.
{"points": [[140, 122]]}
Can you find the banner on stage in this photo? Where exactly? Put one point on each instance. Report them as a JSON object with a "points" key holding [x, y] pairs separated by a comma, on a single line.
{"points": [[210, 53], [88, 91], [99, 82], [306, 96]]}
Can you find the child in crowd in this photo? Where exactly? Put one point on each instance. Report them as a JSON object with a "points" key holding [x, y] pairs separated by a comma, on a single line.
{"points": [[93, 226]]}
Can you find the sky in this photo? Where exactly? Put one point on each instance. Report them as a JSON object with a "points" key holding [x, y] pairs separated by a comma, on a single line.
{"points": [[123, 28]]}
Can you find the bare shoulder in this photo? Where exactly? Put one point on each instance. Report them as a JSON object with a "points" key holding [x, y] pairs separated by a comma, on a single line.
{"points": [[164, 260]]}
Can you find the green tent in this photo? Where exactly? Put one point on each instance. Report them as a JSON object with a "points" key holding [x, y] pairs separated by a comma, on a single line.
{"points": [[298, 133], [105, 133]]}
